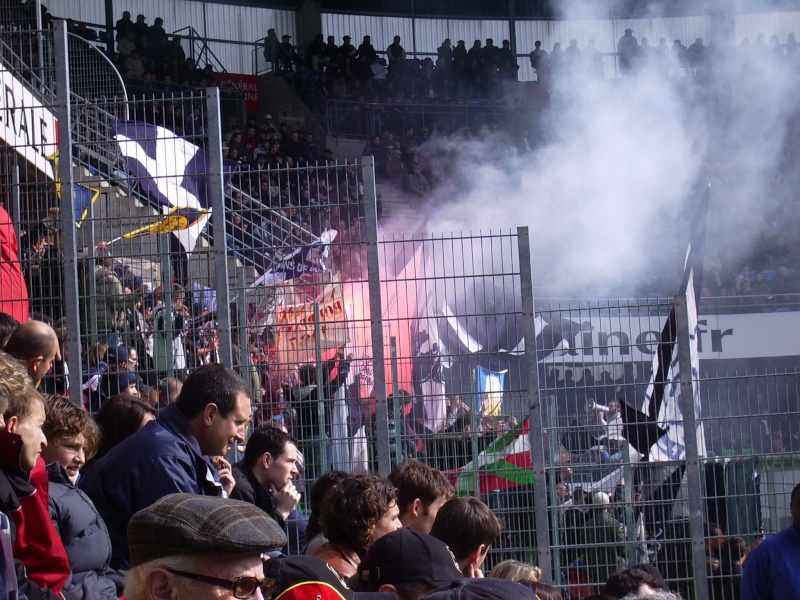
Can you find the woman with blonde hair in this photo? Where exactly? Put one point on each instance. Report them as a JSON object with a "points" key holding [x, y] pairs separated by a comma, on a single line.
{"points": [[514, 570]]}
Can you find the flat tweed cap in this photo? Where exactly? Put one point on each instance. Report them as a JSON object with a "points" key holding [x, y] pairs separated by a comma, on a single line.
{"points": [[201, 525]]}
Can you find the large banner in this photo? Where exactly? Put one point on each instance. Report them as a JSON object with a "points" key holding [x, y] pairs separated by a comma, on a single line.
{"points": [[295, 335], [26, 125], [603, 339]]}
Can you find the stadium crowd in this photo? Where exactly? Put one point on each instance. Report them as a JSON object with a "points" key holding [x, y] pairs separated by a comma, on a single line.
{"points": [[87, 508]]}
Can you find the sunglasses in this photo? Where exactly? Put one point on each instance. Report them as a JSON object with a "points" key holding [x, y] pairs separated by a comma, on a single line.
{"points": [[243, 588]]}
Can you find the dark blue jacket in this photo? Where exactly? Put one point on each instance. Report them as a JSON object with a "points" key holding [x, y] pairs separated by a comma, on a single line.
{"points": [[85, 537], [162, 458], [772, 570]]}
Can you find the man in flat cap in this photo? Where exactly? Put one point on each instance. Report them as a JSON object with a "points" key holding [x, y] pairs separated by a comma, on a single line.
{"points": [[200, 547]]}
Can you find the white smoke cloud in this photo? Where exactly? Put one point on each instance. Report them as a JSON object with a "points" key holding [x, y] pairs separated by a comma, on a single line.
{"points": [[609, 194]]}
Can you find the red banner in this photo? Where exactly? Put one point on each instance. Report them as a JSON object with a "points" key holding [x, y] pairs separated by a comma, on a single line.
{"points": [[246, 84]]}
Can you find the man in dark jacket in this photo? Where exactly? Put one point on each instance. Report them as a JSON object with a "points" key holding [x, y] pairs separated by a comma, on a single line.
{"points": [[265, 478], [305, 401], [171, 455]]}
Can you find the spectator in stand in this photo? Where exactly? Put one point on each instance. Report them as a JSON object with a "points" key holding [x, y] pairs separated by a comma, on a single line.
{"points": [[118, 419], [630, 581], [124, 26], [72, 438], [727, 584], [141, 28], [157, 31], [7, 326], [172, 454], [485, 589], [347, 50], [395, 169], [627, 49], [307, 428], [469, 528], [314, 52], [169, 332], [445, 51], [603, 539], [408, 563], [264, 477], [187, 546], [760, 285], [127, 44], [696, 56], [514, 570], [287, 55], [124, 383], [396, 55], [23, 481], [781, 286], [112, 298], [35, 345], [316, 497], [537, 57], [355, 514], [367, 50], [421, 492], [271, 49], [416, 183], [770, 571], [678, 57]]}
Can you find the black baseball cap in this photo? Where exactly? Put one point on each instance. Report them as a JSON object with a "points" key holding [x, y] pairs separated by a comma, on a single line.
{"points": [[302, 577], [406, 556], [482, 589]]}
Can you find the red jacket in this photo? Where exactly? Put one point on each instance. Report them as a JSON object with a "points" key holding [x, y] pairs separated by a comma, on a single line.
{"points": [[13, 291], [24, 498]]}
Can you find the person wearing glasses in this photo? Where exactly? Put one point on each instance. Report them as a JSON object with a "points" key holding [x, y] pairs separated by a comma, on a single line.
{"points": [[186, 546]]}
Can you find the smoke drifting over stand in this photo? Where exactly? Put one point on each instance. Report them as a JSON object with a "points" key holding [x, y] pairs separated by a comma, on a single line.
{"points": [[611, 181]]}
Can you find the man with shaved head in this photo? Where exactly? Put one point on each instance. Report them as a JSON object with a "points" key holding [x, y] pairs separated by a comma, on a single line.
{"points": [[35, 344]]}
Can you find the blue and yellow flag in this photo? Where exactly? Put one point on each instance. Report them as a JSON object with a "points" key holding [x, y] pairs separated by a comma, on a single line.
{"points": [[84, 196]]}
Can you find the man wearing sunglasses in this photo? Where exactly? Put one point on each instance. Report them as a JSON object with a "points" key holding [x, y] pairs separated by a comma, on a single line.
{"points": [[190, 547]]}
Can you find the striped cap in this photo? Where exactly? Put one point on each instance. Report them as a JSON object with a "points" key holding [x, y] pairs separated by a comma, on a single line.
{"points": [[201, 525]]}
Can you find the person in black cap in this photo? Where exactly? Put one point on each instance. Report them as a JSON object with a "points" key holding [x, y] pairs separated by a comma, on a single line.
{"points": [[408, 563], [124, 383], [482, 589], [200, 547], [303, 577]]}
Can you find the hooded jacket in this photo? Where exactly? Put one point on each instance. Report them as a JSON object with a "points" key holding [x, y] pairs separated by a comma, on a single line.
{"points": [[13, 291], [43, 563]]}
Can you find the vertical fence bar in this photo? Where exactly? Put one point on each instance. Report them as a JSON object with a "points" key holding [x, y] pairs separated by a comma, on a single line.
{"points": [[217, 192], [69, 237], [693, 475], [320, 393], [376, 316], [542, 533], [395, 403], [16, 204]]}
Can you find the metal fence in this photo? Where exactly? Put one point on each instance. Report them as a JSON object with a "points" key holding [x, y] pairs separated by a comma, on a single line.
{"points": [[373, 350]]}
